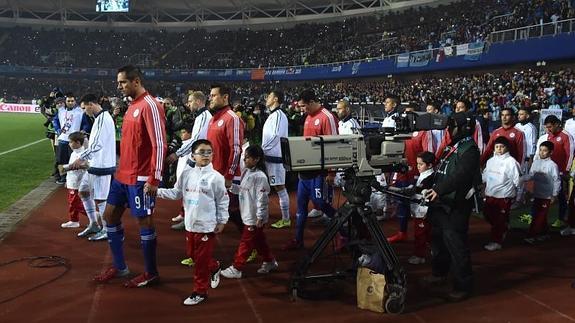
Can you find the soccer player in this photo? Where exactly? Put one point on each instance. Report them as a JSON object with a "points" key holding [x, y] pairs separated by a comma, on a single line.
{"points": [[101, 156], [517, 145], [319, 121], [276, 127], [197, 105], [143, 148], [226, 132], [347, 124]]}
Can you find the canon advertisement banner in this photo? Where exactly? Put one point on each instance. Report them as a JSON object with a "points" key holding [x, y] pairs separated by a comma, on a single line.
{"points": [[19, 108]]}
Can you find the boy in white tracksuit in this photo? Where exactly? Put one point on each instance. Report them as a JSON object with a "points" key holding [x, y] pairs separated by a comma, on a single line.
{"points": [[253, 194], [206, 202], [544, 173], [73, 179], [501, 178]]}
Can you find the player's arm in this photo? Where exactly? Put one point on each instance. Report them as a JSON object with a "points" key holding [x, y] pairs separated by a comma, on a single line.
{"points": [[569, 146], [154, 120], [235, 134]]}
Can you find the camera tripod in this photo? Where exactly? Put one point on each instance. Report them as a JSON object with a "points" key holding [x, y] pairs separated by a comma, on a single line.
{"points": [[361, 224]]}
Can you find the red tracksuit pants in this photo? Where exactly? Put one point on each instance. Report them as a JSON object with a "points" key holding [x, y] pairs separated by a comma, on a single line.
{"points": [[496, 212], [539, 210], [422, 235], [200, 247], [252, 238], [75, 206]]}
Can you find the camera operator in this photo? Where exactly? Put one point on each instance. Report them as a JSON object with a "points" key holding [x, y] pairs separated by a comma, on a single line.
{"points": [[451, 203], [49, 109]]}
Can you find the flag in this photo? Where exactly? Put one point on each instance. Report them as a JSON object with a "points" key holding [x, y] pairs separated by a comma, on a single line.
{"points": [[440, 55]]}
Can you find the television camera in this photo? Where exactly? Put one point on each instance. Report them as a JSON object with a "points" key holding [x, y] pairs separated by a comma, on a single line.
{"points": [[361, 157]]}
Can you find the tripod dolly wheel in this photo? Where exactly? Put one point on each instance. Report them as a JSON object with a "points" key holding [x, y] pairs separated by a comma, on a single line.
{"points": [[394, 305]]}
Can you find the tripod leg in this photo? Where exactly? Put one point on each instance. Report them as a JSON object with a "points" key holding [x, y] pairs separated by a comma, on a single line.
{"points": [[322, 242], [395, 275]]}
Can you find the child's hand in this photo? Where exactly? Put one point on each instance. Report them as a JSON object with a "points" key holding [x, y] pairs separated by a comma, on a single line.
{"points": [[219, 228], [259, 223]]}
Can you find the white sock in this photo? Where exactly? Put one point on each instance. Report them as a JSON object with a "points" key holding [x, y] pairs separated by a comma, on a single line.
{"points": [[284, 203], [101, 209], [90, 207]]}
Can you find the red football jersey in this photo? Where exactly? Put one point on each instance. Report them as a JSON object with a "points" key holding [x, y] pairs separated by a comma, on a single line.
{"points": [[143, 145], [226, 132], [322, 122], [516, 138]]}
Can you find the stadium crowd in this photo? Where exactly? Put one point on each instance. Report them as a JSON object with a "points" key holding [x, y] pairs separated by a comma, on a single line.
{"points": [[536, 89], [315, 43]]}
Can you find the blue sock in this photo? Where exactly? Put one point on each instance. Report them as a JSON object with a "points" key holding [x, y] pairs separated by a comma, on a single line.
{"points": [[116, 241], [148, 240]]}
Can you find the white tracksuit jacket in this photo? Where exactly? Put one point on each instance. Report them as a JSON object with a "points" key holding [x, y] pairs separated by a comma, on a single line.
{"points": [[253, 194], [204, 195], [501, 176], [546, 179]]}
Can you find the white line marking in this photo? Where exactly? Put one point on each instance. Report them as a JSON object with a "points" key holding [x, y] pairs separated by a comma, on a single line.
{"points": [[22, 147], [250, 302], [546, 306]]}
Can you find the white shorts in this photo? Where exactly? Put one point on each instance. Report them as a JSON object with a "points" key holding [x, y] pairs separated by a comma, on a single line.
{"points": [[276, 174], [97, 185]]}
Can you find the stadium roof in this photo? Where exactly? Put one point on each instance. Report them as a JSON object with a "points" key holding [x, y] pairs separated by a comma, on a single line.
{"points": [[190, 13]]}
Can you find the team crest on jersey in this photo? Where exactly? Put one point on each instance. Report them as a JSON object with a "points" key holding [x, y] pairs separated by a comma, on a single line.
{"points": [[205, 238], [136, 113], [220, 123], [204, 182], [512, 135], [316, 122], [415, 133], [558, 139]]}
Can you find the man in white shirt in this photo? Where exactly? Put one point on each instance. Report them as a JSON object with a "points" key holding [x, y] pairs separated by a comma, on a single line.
{"points": [[531, 136], [276, 127], [390, 107], [197, 105], [101, 156], [347, 124]]}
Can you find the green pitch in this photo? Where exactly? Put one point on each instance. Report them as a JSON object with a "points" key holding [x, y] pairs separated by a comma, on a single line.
{"points": [[22, 170]]}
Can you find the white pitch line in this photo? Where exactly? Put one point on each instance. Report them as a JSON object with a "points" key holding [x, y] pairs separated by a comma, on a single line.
{"points": [[22, 147], [545, 305]]}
